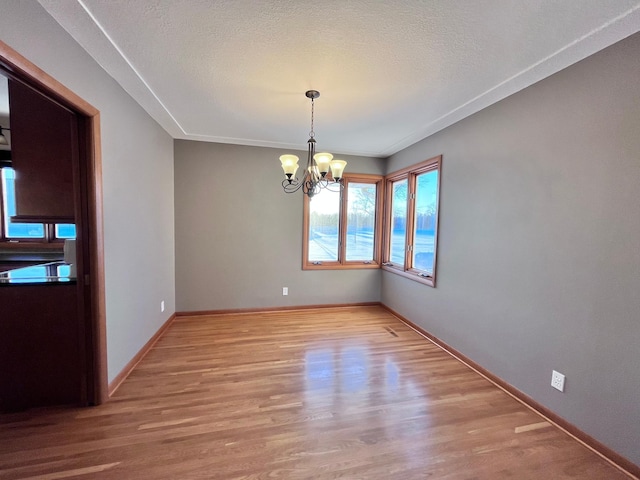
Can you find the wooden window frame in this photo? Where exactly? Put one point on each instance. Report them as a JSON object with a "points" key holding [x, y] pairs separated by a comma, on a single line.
{"points": [[410, 174], [342, 263]]}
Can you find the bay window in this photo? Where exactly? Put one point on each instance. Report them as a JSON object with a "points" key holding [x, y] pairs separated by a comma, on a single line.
{"points": [[374, 222], [410, 238]]}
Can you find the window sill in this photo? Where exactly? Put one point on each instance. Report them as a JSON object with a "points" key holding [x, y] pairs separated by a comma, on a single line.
{"points": [[430, 281], [338, 266]]}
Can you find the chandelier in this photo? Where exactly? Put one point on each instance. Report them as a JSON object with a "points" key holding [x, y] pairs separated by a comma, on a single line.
{"points": [[315, 176]]}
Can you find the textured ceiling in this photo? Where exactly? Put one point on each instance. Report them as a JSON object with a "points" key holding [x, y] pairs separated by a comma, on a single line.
{"points": [[390, 73]]}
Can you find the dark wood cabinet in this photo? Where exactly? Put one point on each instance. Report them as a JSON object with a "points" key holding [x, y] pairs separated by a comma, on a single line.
{"points": [[44, 150], [40, 349]]}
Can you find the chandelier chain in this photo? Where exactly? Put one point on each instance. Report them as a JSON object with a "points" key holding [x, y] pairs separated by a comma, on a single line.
{"points": [[312, 133]]}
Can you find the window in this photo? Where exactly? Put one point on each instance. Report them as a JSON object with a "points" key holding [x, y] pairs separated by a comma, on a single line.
{"points": [[412, 221], [343, 229], [12, 231]]}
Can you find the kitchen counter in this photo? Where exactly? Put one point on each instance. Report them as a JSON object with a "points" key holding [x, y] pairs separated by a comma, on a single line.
{"points": [[45, 273]]}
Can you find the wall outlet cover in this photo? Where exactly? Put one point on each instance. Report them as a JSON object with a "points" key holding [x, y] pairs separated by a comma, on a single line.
{"points": [[557, 381]]}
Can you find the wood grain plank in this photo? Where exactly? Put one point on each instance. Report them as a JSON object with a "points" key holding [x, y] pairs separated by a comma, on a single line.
{"points": [[322, 394]]}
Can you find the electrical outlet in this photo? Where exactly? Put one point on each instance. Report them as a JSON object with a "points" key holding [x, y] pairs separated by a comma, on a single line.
{"points": [[557, 381], [162, 306], [285, 290]]}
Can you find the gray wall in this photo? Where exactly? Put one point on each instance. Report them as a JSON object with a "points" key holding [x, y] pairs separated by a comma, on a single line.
{"points": [[539, 243], [239, 236], [538, 250], [137, 158]]}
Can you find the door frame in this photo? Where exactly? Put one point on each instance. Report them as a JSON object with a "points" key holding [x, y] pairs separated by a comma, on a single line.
{"points": [[88, 194]]}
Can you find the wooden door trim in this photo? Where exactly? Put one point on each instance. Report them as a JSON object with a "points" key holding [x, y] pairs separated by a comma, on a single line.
{"points": [[18, 66]]}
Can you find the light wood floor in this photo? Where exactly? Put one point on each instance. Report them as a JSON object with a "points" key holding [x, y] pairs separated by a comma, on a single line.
{"points": [[335, 393]]}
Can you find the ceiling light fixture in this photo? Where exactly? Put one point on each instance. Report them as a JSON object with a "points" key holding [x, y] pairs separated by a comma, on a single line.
{"points": [[3, 139], [315, 175]]}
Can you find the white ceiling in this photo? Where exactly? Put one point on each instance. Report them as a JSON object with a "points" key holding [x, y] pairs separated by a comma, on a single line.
{"points": [[389, 72]]}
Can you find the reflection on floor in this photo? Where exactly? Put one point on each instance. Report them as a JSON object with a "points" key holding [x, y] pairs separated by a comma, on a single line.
{"points": [[348, 393]]}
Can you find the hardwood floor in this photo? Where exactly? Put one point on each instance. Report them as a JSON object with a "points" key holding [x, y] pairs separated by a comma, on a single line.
{"points": [[347, 393]]}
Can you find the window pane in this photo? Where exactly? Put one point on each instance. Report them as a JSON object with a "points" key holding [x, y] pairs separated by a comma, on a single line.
{"points": [[398, 221], [425, 221], [361, 220], [65, 230], [16, 230], [324, 213]]}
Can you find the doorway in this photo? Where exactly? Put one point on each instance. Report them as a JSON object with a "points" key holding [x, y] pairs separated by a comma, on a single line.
{"points": [[87, 181]]}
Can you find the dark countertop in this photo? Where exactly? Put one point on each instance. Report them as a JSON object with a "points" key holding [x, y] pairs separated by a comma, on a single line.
{"points": [[45, 273]]}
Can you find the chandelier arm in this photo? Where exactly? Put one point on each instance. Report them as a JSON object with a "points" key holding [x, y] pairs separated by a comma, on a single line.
{"points": [[309, 186], [291, 187], [334, 186]]}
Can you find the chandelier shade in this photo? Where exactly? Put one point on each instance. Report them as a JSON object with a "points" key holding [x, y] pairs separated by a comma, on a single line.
{"points": [[315, 176], [337, 169], [289, 165]]}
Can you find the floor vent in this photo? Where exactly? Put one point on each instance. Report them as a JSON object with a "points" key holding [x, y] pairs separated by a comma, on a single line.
{"points": [[390, 330]]}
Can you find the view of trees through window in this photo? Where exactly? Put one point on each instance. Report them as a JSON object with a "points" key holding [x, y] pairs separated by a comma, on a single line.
{"points": [[425, 221], [342, 225], [398, 221], [412, 219], [346, 229], [324, 223], [423, 241], [361, 221]]}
